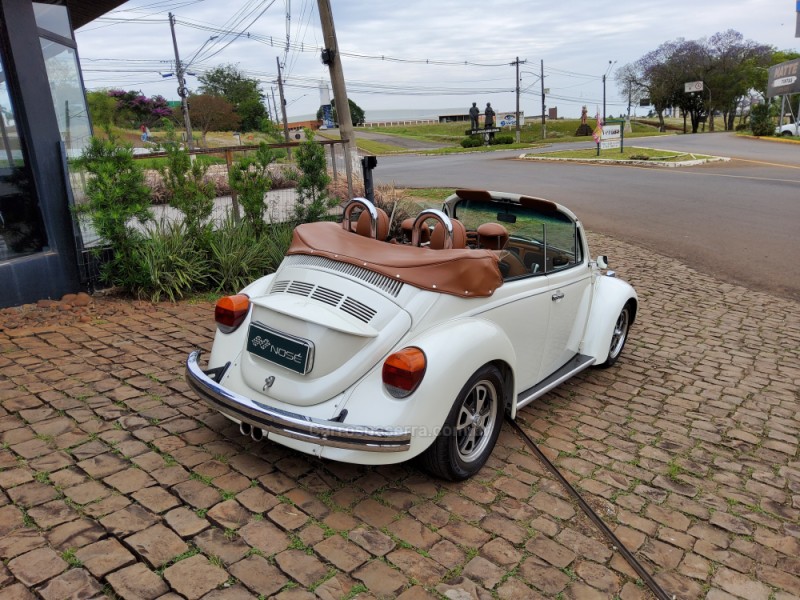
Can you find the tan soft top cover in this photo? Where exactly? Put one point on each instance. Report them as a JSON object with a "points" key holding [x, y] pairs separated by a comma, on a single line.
{"points": [[466, 273]]}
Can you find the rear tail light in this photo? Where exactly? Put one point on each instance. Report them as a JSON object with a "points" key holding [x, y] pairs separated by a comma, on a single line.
{"points": [[231, 312], [403, 371]]}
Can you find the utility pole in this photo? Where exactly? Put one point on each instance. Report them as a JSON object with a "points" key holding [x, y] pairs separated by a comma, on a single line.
{"points": [[516, 63], [274, 104], [283, 109], [330, 57], [182, 91], [541, 81]]}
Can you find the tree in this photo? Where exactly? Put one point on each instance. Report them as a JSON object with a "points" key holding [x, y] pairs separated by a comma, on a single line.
{"points": [[189, 192], [116, 195], [251, 180], [356, 113], [242, 92], [760, 123], [732, 64], [726, 63], [102, 108], [212, 113], [134, 108], [312, 186]]}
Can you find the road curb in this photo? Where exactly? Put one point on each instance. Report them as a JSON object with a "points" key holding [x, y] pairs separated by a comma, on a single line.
{"points": [[638, 163]]}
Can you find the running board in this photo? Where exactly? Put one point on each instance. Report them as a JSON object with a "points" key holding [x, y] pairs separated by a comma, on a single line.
{"points": [[575, 365]]}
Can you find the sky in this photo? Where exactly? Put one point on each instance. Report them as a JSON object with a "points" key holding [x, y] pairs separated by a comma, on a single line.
{"points": [[430, 56]]}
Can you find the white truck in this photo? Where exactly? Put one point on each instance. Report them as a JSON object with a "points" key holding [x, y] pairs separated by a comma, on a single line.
{"points": [[788, 129]]}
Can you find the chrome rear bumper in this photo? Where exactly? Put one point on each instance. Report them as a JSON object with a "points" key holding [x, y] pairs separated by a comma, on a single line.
{"points": [[293, 425]]}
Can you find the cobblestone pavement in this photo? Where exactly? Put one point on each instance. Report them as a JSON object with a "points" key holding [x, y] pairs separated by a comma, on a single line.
{"points": [[116, 481]]}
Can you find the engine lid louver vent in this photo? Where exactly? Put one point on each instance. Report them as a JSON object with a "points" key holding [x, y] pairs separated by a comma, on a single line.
{"points": [[301, 288], [327, 296], [383, 283], [357, 309], [351, 306]]}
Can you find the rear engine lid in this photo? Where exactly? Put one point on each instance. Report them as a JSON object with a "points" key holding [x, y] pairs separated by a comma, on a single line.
{"points": [[316, 333]]}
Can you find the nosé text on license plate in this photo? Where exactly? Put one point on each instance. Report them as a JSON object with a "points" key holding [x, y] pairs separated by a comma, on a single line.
{"points": [[282, 349]]}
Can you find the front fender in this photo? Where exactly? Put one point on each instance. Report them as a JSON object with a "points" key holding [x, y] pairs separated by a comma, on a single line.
{"points": [[454, 351], [610, 296]]}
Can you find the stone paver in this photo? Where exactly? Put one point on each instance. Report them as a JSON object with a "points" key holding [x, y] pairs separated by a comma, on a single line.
{"points": [[137, 582], [37, 566], [195, 576], [157, 545], [688, 448], [104, 556]]}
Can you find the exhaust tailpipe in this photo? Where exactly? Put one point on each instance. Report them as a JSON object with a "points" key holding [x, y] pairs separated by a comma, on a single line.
{"points": [[257, 434], [245, 428]]}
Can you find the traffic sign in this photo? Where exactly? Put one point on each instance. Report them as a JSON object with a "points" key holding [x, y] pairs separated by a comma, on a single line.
{"points": [[693, 86]]}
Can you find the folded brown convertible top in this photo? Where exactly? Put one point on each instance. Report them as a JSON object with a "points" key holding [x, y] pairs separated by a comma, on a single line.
{"points": [[465, 273]]}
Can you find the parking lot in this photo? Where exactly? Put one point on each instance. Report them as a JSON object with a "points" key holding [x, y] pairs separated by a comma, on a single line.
{"points": [[116, 481]]}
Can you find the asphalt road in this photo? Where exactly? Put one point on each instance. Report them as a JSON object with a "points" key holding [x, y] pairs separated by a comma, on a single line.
{"points": [[737, 220]]}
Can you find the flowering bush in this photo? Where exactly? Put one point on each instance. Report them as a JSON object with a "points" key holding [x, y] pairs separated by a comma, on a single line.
{"points": [[135, 109]]}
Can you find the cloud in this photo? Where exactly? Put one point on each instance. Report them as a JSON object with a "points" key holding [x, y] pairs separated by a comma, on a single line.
{"points": [[576, 41]]}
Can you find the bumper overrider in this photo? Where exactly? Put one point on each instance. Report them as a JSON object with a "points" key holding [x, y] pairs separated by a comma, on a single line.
{"points": [[289, 424]]}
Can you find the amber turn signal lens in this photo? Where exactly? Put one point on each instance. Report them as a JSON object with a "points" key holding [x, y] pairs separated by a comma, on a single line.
{"points": [[403, 371], [231, 312]]}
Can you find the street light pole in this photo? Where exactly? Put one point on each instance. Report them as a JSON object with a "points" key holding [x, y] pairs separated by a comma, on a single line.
{"points": [[605, 76], [182, 91]]}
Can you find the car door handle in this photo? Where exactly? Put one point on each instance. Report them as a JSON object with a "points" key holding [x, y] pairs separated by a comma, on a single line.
{"points": [[557, 296]]}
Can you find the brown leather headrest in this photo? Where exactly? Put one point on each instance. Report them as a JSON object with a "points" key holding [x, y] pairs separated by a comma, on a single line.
{"points": [[492, 236], [408, 224], [382, 226], [459, 236]]}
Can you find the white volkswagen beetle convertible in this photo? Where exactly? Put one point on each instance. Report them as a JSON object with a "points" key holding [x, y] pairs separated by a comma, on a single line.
{"points": [[370, 351]]}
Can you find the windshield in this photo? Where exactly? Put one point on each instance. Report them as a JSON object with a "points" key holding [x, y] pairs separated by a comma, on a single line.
{"points": [[546, 240]]}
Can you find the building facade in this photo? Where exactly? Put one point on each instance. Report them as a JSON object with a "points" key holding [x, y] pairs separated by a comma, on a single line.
{"points": [[43, 121]]}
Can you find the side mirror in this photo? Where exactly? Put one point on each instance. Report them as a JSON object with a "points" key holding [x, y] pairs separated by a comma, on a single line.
{"points": [[602, 262]]}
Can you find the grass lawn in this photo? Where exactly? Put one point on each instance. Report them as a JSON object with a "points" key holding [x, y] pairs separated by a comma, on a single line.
{"points": [[629, 153], [452, 133]]}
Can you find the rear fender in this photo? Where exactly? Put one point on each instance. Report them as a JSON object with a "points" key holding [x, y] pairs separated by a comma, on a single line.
{"points": [[228, 345], [454, 351], [610, 296]]}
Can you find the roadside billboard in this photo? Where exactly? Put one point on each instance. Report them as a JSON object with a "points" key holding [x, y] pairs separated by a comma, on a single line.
{"points": [[509, 119], [784, 78]]}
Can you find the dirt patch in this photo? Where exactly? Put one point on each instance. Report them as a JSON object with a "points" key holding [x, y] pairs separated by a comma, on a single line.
{"points": [[399, 141], [71, 309]]}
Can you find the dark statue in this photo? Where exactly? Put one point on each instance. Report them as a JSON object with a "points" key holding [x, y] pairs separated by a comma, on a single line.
{"points": [[489, 116], [474, 113]]}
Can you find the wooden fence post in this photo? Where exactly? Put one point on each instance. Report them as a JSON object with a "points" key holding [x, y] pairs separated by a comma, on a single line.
{"points": [[234, 196]]}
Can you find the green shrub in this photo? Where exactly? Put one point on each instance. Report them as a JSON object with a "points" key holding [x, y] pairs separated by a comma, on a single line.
{"points": [[275, 243], [314, 203], [184, 180], [239, 255], [760, 123], [235, 256], [115, 196], [504, 138], [171, 267], [471, 142], [250, 179]]}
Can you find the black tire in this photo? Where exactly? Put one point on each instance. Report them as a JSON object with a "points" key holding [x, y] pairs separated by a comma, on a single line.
{"points": [[470, 430], [786, 133], [619, 336]]}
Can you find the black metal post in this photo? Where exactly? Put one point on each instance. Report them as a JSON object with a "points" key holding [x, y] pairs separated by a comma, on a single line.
{"points": [[367, 164]]}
